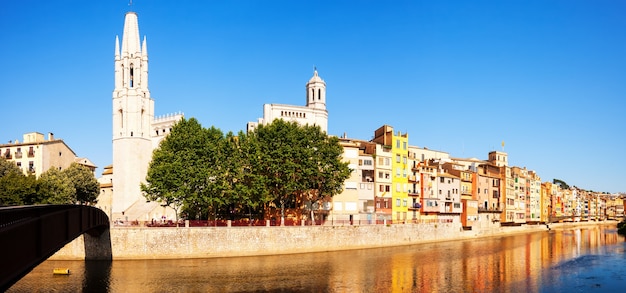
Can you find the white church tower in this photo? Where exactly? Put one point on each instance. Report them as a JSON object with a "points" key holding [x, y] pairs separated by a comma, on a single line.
{"points": [[133, 113], [313, 113], [316, 92]]}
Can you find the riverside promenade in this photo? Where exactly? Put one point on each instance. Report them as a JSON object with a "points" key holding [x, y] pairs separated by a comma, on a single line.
{"points": [[207, 242]]}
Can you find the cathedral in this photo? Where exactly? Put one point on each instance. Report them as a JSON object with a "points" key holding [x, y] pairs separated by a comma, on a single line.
{"points": [[137, 132]]}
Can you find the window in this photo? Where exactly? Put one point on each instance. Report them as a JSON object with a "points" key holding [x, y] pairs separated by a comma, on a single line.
{"points": [[404, 202], [442, 180], [404, 145], [397, 202], [404, 159], [380, 174], [387, 161], [381, 161], [360, 162], [132, 71], [397, 158], [397, 143], [367, 162], [387, 188]]}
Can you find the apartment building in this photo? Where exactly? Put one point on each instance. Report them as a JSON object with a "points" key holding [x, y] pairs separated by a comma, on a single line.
{"points": [[35, 154], [356, 201], [534, 203], [397, 144]]}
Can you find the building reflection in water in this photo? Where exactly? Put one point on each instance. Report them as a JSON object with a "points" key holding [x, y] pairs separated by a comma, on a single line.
{"points": [[518, 263]]}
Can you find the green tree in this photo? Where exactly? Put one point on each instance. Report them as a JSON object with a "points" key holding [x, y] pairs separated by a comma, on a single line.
{"points": [[15, 187], [250, 190], [180, 173], [298, 162], [85, 184], [327, 171], [7, 167], [54, 187], [560, 183]]}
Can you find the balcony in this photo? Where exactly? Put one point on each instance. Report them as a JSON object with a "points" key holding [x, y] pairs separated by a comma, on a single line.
{"points": [[18, 155], [415, 206], [489, 210]]}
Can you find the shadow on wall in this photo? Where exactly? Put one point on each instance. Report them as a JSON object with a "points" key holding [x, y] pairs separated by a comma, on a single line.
{"points": [[98, 247]]}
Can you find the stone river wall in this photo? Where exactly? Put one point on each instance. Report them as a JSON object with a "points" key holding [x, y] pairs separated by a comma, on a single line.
{"points": [[184, 242]]}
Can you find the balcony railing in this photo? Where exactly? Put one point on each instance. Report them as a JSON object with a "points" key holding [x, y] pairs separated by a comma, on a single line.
{"points": [[489, 210]]}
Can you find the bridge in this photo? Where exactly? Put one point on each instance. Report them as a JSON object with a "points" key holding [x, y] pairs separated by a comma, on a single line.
{"points": [[31, 234]]}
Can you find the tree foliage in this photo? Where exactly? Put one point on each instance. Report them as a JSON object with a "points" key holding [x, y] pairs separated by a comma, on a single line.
{"points": [[561, 183], [86, 187], [75, 184], [54, 187], [204, 171]]}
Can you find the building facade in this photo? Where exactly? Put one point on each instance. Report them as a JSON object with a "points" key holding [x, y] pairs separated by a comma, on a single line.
{"points": [[35, 154], [313, 113]]}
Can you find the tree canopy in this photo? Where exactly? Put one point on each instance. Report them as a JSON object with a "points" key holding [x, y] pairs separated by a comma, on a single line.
{"points": [[204, 171], [75, 184]]}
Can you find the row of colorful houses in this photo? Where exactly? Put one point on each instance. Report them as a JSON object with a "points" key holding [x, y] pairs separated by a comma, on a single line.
{"points": [[395, 182]]}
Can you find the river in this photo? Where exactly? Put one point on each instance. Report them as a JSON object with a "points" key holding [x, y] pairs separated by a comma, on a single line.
{"points": [[580, 259]]}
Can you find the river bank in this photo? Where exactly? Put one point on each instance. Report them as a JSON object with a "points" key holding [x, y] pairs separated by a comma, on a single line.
{"points": [[125, 243]]}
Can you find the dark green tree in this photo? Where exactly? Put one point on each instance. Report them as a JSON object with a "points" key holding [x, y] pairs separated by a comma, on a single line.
{"points": [[10, 187], [86, 186], [54, 187], [183, 170], [560, 183], [298, 163], [325, 168]]}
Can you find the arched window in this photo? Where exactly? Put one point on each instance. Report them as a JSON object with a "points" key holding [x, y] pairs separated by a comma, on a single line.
{"points": [[131, 74], [121, 118], [319, 94]]}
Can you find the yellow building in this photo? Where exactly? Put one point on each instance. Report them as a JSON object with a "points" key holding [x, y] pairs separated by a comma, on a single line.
{"points": [[398, 145]]}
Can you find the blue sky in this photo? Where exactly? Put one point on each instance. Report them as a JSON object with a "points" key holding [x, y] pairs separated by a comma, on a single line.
{"points": [[546, 77]]}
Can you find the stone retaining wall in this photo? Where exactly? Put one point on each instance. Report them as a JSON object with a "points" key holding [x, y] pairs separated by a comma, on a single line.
{"points": [[164, 243], [170, 243]]}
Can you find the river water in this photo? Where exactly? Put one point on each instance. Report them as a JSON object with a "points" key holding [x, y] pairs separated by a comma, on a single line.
{"points": [[583, 259]]}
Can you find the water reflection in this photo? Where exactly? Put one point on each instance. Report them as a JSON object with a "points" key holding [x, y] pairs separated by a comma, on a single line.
{"points": [[518, 263]]}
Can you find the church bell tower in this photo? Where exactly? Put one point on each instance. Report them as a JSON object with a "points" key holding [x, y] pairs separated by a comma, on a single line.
{"points": [[133, 113]]}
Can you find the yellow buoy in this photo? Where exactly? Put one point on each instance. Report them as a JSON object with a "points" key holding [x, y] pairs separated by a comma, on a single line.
{"points": [[61, 271]]}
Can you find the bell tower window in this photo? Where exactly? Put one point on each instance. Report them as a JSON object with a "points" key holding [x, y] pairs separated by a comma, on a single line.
{"points": [[131, 75]]}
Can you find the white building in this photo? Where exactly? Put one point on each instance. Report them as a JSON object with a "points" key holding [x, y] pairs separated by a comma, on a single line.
{"points": [[314, 113], [136, 131]]}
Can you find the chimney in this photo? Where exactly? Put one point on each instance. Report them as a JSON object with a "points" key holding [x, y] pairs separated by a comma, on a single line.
{"points": [[50, 136]]}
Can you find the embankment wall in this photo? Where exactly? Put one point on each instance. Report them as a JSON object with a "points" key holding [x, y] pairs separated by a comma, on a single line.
{"points": [[206, 242]]}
